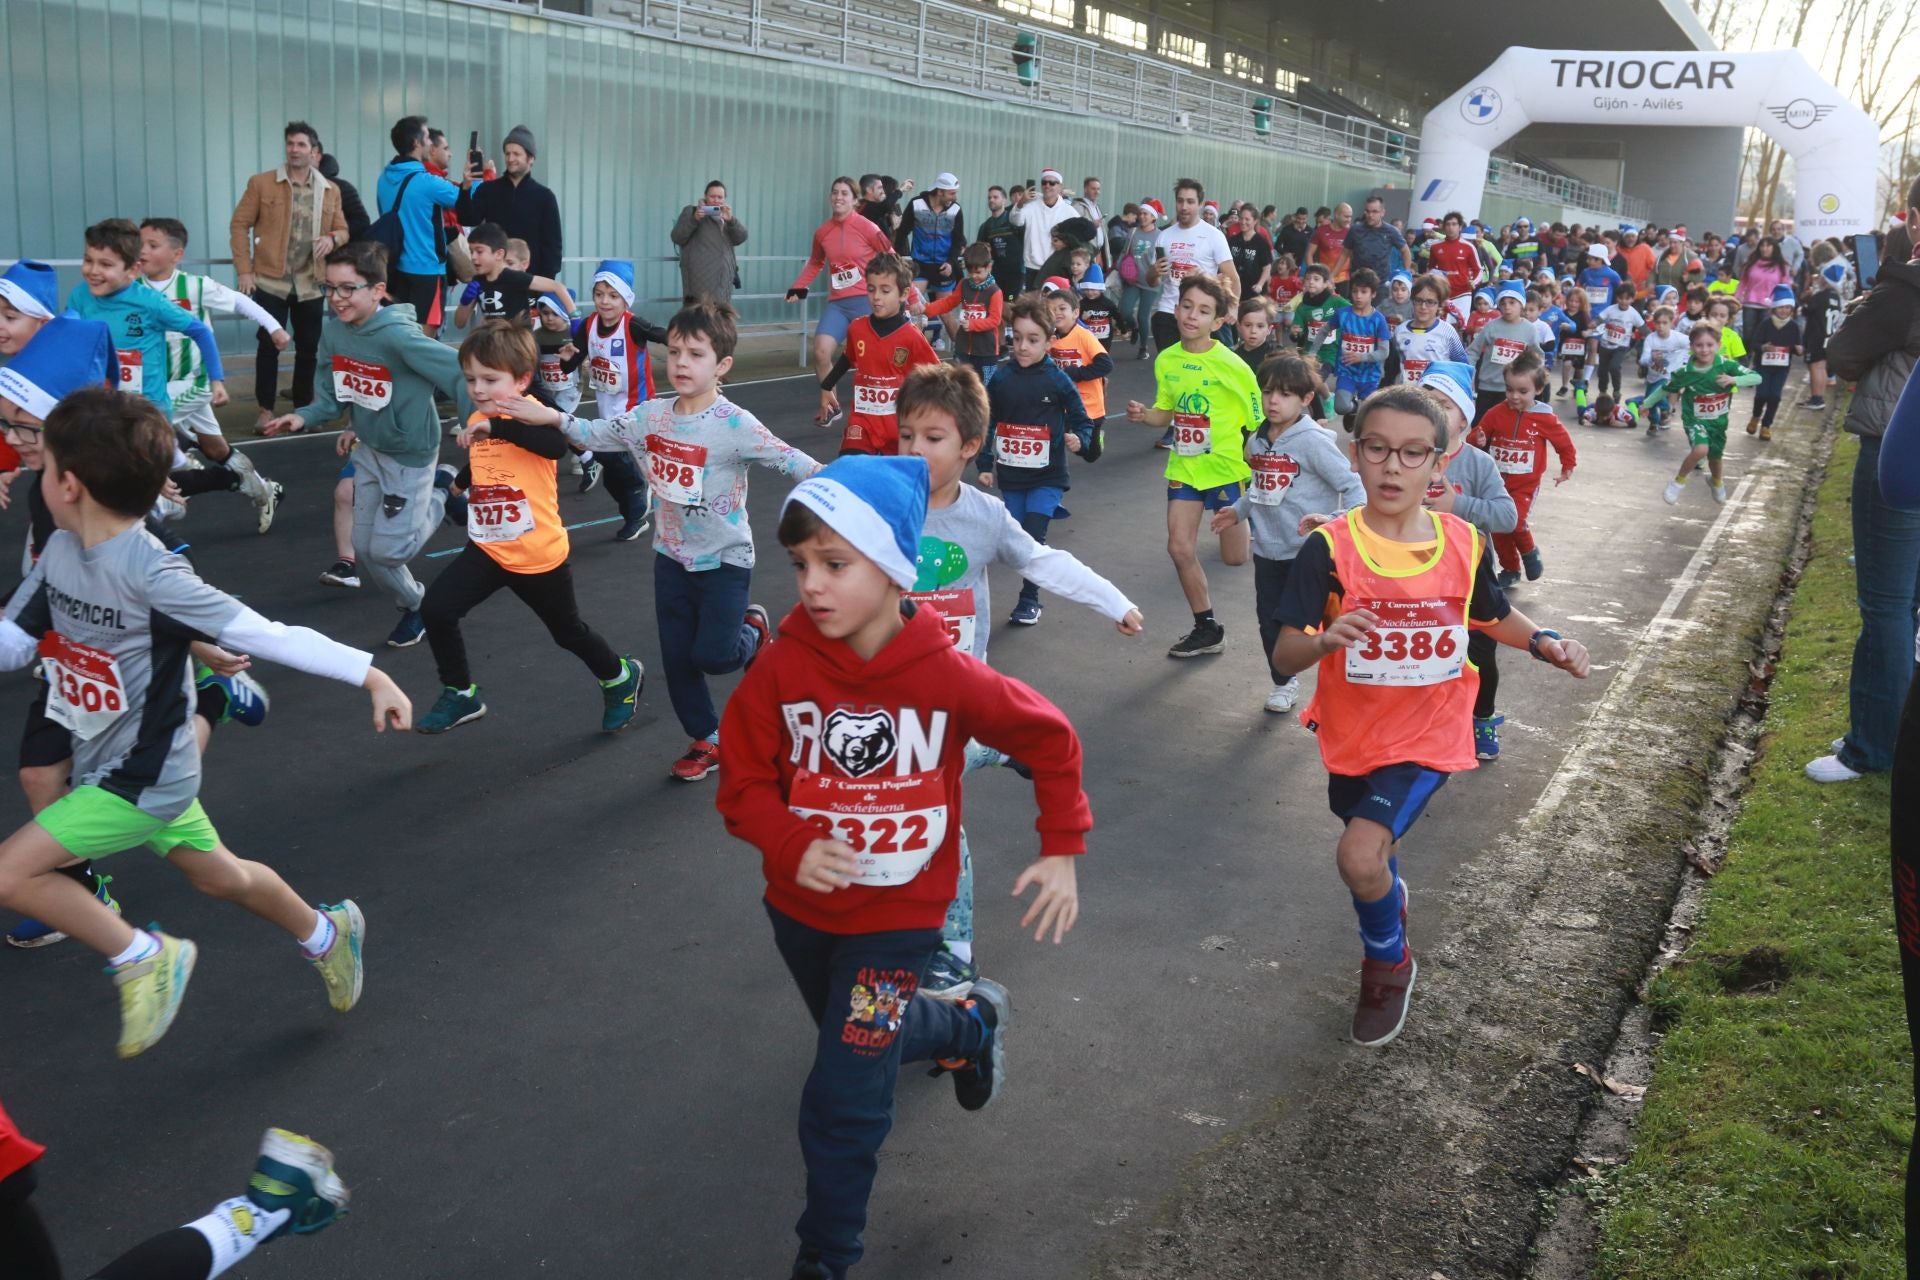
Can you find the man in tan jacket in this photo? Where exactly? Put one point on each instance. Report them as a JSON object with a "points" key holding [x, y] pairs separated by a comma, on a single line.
{"points": [[287, 222]]}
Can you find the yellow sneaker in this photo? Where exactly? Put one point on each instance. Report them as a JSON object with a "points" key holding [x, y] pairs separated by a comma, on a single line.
{"points": [[150, 992], [341, 968]]}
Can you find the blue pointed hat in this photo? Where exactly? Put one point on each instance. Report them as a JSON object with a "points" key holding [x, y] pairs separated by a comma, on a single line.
{"points": [[67, 354], [617, 272]]}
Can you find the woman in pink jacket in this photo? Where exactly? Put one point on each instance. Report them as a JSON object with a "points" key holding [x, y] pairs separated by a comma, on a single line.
{"points": [[1764, 270]]}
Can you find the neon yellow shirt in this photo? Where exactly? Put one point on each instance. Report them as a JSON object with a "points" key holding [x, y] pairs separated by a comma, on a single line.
{"points": [[1215, 402]]}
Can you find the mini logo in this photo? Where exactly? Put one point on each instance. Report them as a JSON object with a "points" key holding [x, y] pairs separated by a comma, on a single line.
{"points": [[1801, 113], [1829, 203], [1482, 106]]}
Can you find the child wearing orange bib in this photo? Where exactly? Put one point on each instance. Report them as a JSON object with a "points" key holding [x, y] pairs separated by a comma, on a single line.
{"points": [[515, 538], [1382, 600]]}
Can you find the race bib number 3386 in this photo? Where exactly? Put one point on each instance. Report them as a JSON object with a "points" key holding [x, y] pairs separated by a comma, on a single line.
{"points": [[1416, 642]]}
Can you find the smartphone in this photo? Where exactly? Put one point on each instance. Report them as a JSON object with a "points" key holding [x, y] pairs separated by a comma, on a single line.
{"points": [[1866, 253], [709, 210], [1160, 253], [474, 158]]}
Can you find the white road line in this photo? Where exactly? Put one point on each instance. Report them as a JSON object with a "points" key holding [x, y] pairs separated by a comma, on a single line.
{"points": [[1642, 648], [324, 435]]}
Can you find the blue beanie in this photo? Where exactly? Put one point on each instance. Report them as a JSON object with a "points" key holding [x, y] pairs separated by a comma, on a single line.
{"points": [[553, 303], [30, 287], [878, 504], [617, 272], [1453, 380], [1401, 274], [67, 354], [1782, 296], [1484, 293], [1511, 289]]}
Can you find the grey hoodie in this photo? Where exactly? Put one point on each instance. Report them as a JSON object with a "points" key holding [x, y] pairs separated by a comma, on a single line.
{"points": [[1320, 481], [385, 371], [1480, 496]]}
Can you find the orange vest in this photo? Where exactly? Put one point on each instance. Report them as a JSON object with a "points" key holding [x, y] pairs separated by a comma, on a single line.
{"points": [[1404, 695], [513, 511], [1077, 350]]}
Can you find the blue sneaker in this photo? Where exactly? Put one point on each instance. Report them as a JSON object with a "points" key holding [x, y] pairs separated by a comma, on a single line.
{"points": [[1026, 613], [978, 1080], [247, 700], [455, 512], [296, 1174], [622, 697], [452, 709], [1531, 561], [1508, 578], [949, 977], [1486, 737], [31, 933], [410, 630]]}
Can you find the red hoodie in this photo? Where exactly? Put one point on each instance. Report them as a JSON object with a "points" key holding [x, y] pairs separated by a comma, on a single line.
{"points": [[17, 1151], [873, 751], [1518, 443]]}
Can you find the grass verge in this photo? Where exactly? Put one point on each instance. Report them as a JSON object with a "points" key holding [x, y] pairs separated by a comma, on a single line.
{"points": [[1776, 1121]]}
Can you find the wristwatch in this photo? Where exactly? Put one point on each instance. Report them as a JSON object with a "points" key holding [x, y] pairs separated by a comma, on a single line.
{"points": [[1533, 642]]}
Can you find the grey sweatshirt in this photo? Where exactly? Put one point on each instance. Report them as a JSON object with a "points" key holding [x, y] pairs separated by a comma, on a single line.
{"points": [[1489, 373], [1304, 471], [1480, 496]]}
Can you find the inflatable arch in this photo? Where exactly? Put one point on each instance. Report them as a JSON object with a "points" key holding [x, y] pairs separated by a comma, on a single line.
{"points": [[1834, 144]]}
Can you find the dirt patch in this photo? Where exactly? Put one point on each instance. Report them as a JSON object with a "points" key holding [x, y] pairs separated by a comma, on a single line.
{"points": [[1438, 1153]]}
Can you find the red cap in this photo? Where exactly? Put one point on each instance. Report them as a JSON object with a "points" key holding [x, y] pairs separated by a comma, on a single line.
{"points": [[1056, 284]]}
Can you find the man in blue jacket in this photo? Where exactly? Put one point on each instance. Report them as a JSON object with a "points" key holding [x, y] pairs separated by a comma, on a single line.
{"points": [[417, 276]]}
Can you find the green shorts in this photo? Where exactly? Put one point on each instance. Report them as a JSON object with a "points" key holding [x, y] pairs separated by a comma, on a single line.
{"points": [[1711, 434], [92, 823]]}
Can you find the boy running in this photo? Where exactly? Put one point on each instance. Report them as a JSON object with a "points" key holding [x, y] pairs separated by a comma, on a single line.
{"points": [[696, 447], [881, 347], [944, 419], [612, 342], [163, 241], [1361, 340], [1516, 432], [1777, 339], [139, 318], [1498, 343], [1382, 601], [28, 299], [1704, 387], [1208, 398], [977, 337], [1661, 353], [844, 752], [378, 365], [114, 614], [516, 538]]}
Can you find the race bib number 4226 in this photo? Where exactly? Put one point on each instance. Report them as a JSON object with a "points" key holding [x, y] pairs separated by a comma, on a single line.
{"points": [[357, 382]]}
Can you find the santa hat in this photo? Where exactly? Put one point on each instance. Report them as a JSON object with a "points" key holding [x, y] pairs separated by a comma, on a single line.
{"points": [[1051, 175], [1834, 272], [67, 354], [1159, 210], [1454, 380], [1510, 289], [552, 301], [618, 273], [878, 504], [1056, 284], [29, 287], [1782, 296], [1095, 281], [1213, 205]]}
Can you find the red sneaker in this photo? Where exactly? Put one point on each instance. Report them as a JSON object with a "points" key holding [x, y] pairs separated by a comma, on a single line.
{"points": [[1384, 992], [702, 758], [762, 625]]}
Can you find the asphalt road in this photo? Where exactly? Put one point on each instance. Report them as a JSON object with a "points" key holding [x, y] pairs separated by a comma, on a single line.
{"points": [[579, 1054]]}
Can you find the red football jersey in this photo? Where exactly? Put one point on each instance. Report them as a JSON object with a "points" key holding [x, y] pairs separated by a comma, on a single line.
{"points": [[880, 367]]}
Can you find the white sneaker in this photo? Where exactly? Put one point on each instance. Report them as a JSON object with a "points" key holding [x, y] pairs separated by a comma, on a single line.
{"points": [[1829, 769], [1281, 700], [1719, 492], [1674, 489], [1839, 743]]}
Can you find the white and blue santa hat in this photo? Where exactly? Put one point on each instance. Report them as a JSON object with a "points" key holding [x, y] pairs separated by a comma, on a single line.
{"points": [[552, 302], [1834, 272], [1400, 274], [617, 272], [1628, 228], [67, 354], [1666, 293], [1453, 380], [878, 504], [29, 288], [1509, 289], [1484, 293], [1782, 296], [1095, 281]]}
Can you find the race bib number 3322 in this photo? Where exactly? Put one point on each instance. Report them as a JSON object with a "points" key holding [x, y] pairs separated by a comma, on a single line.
{"points": [[894, 825]]}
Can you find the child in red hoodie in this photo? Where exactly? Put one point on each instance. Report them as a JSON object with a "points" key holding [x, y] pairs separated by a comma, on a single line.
{"points": [[1517, 432], [841, 755]]}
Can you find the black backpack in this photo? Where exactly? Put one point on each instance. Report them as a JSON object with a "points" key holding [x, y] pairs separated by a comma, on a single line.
{"points": [[386, 229]]}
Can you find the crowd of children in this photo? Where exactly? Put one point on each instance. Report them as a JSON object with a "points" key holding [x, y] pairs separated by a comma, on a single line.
{"points": [[1384, 546]]}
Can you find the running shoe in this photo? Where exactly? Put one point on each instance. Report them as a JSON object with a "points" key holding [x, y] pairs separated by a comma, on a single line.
{"points": [[1165, 441], [150, 992], [247, 700], [1507, 579], [1026, 613], [1815, 402], [1832, 769], [268, 502], [409, 631], [1283, 697], [762, 625], [978, 1080], [702, 758], [1204, 638], [1672, 492], [1719, 492], [634, 525], [621, 699], [1486, 737], [343, 573], [1530, 560], [31, 933], [1385, 991], [590, 470], [451, 710], [296, 1174], [455, 511], [949, 977], [810, 1266], [341, 966]]}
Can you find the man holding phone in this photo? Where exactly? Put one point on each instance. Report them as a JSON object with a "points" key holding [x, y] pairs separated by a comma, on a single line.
{"points": [[707, 234], [515, 202]]}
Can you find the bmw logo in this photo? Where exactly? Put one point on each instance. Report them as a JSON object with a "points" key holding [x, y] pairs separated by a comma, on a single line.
{"points": [[1482, 105]]}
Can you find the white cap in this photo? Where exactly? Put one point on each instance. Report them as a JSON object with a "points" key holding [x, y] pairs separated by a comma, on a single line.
{"points": [[946, 182], [1597, 251]]}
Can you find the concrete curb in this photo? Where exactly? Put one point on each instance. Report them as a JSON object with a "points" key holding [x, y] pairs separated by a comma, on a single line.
{"points": [[1433, 1155]]}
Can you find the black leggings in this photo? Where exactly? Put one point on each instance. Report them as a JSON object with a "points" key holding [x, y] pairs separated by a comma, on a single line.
{"points": [[471, 578], [213, 477], [1483, 651], [1905, 823], [179, 1254], [1611, 358]]}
